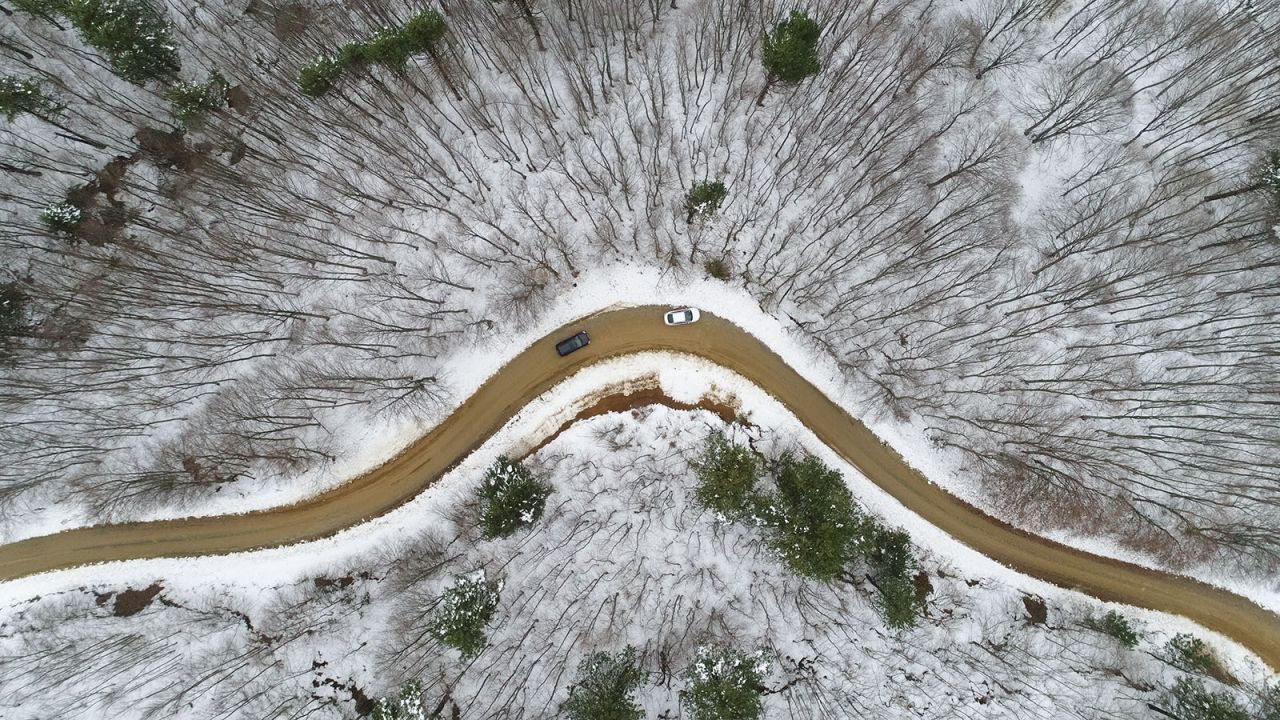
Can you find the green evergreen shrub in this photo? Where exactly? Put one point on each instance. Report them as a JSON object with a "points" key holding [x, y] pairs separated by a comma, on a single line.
{"points": [[391, 47], [132, 34], [1118, 627], [25, 95], [191, 101], [424, 31], [318, 76], [407, 705], [893, 564], [511, 498], [790, 51], [724, 684], [61, 218], [604, 687], [727, 476], [897, 602], [704, 199], [464, 610], [1189, 653], [815, 518], [1191, 701], [49, 10]]}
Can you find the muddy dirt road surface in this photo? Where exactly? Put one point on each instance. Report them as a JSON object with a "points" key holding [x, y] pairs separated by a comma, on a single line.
{"points": [[619, 332]]}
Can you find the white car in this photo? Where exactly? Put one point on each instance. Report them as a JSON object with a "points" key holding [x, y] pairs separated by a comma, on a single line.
{"points": [[682, 317]]}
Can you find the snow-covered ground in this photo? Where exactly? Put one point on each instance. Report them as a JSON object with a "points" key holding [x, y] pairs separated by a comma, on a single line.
{"points": [[1047, 326], [372, 441], [621, 556], [304, 286]]}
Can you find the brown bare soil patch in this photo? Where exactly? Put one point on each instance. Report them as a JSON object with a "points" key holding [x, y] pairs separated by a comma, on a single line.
{"points": [[636, 395], [924, 588], [1037, 611], [132, 602], [169, 149], [615, 333]]}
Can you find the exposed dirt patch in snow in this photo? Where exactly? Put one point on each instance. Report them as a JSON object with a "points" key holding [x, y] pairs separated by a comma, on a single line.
{"points": [[1037, 611], [640, 393], [132, 602]]}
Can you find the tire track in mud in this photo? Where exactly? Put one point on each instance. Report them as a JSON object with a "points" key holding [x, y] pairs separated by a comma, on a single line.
{"points": [[621, 332]]}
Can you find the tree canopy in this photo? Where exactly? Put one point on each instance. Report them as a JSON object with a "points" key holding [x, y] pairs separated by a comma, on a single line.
{"points": [[790, 52], [511, 498], [724, 684], [24, 95], [604, 687], [727, 477], [816, 519], [132, 34]]}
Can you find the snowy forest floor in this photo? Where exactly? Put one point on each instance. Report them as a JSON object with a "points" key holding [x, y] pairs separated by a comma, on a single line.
{"points": [[621, 556], [1016, 236], [990, 217]]}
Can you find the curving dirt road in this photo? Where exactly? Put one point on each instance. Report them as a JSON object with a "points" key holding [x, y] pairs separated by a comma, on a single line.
{"points": [[619, 332]]}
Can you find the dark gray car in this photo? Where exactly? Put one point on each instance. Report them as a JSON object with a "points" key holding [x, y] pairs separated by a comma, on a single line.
{"points": [[577, 342]]}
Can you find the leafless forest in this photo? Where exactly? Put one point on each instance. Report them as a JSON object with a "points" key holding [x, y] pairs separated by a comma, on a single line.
{"points": [[1023, 225], [622, 556]]}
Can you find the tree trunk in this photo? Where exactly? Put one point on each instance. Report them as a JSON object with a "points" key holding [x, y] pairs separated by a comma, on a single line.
{"points": [[1233, 193], [527, 12], [768, 83], [70, 134], [444, 74]]}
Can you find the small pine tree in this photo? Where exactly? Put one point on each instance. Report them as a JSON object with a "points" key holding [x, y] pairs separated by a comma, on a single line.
{"points": [[898, 603], [318, 76], [814, 516], [192, 100], [1191, 701], [790, 52], [893, 562], [353, 54], [133, 35], [13, 312], [727, 477], [1118, 627], [724, 684], [465, 609], [888, 550], [704, 199], [511, 498], [424, 31], [604, 687], [394, 46], [24, 95], [1189, 653], [48, 10], [407, 705], [389, 47], [61, 218]]}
